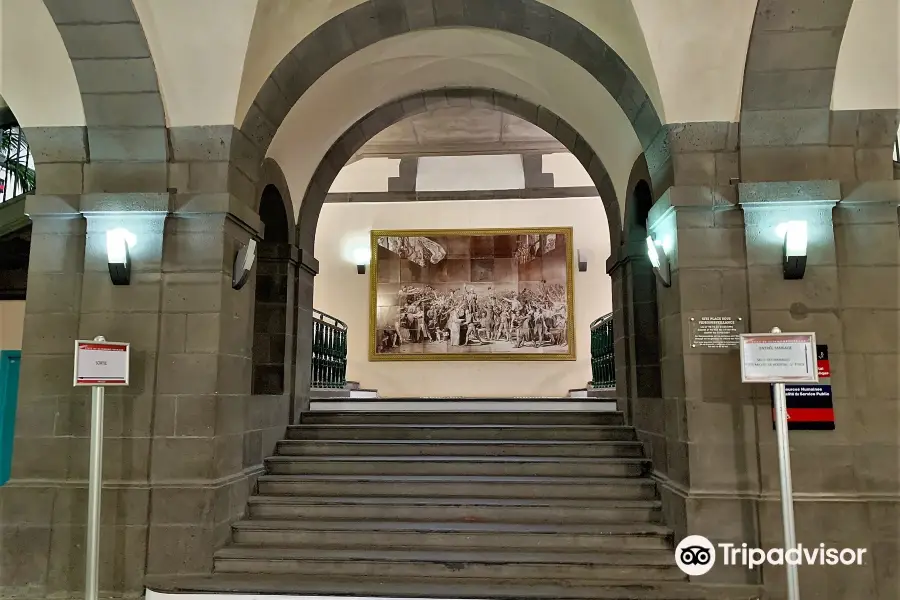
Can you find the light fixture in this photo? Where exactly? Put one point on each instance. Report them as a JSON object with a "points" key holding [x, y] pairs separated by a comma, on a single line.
{"points": [[659, 260], [582, 261], [794, 249], [243, 263], [362, 257], [119, 243]]}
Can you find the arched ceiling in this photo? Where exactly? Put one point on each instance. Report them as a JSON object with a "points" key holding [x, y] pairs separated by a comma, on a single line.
{"points": [[460, 130], [212, 56], [441, 58]]}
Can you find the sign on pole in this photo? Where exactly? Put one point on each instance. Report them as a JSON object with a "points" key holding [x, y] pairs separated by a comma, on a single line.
{"points": [[98, 363], [779, 358], [101, 363]]}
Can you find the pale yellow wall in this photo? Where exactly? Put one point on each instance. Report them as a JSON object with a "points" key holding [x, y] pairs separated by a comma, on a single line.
{"points": [[567, 171], [366, 175], [36, 76], [341, 292], [868, 67], [12, 318]]}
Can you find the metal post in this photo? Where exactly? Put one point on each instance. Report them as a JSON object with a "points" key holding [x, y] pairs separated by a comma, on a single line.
{"points": [[95, 483], [787, 489]]}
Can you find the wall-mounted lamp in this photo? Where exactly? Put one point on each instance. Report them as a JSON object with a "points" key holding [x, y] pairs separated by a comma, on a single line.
{"points": [[582, 261], [119, 243], [793, 256], [659, 259], [243, 264], [362, 257]]}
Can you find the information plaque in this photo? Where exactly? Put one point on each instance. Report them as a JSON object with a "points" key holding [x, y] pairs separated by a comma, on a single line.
{"points": [[716, 333]]}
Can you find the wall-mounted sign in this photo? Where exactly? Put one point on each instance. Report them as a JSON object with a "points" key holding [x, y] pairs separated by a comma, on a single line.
{"points": [[811, 406], [716, 333], [778, 358], [101, 363]]}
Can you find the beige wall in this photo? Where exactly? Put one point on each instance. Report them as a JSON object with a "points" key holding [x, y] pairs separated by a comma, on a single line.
{"points": [[12, 317], [342, 293]]}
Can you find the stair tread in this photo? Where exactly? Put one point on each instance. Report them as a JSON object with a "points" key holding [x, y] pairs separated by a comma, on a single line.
{"points": [[461, 502], [446, 442], [464, 459], [501, 479], [452, 426], [452, 526], [461, 555], [451, 587]]}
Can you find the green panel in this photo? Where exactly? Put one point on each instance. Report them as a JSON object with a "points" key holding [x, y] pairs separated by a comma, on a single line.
{"points": [[9, 391]]}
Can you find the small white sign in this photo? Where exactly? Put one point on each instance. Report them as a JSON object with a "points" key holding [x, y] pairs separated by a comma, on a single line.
{"points": [[779, 358], [101, 363]]}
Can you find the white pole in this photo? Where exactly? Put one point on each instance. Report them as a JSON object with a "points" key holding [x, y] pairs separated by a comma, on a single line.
{"points": [[95, 483], [787, 490]]}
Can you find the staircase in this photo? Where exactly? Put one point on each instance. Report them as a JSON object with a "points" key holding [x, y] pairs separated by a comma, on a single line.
{"points": [[456, 505]]}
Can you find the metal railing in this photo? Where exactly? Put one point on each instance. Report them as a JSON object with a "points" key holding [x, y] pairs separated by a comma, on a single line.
{"points": [[329, 352], [603, 357], [17, 176]]}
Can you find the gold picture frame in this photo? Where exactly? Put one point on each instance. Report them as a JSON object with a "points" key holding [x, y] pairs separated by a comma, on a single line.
{"points": [[430, 265]]}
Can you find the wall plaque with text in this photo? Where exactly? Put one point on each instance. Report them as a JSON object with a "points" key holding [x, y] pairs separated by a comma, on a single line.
{"points": [[716, 333]]}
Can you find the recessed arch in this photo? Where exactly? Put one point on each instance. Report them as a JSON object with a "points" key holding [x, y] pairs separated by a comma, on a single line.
{"points": [[374, 20], [271, 180], [388, 114]]}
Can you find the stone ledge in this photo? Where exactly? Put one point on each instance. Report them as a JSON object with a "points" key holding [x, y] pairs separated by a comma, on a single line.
{"points": [[801, 193]]}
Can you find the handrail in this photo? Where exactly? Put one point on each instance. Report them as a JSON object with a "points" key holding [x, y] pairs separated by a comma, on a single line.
{"points": [[329, 353], [603, 357]]}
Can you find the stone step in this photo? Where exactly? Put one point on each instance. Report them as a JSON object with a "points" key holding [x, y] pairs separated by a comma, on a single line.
{"points": [[451, 535], [605, 449], [464, 589], [397, 563], [457, 465], [462, 418], [461, 487], [455, 509], [586, 433]]}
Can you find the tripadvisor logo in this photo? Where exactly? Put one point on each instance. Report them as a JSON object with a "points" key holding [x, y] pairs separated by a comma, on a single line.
{"points": [[696, 556]]}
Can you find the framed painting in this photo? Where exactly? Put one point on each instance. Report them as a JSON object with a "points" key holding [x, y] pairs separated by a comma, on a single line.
{"points": [[485, 294]]}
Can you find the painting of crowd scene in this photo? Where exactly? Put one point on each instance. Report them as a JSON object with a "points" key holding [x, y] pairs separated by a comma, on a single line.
{"points": [[472, 295]]}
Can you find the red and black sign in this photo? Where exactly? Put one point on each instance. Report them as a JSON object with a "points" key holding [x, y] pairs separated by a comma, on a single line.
{"points": [[811, 406]]}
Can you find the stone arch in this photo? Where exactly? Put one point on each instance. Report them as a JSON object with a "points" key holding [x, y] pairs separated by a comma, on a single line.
{"points": [[271, 176], [376, 20], [381, 118], [124, 111], [778, 124]]}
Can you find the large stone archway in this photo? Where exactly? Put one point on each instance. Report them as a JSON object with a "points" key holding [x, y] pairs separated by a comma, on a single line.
{"points": [[125, 145], [372, 21]]}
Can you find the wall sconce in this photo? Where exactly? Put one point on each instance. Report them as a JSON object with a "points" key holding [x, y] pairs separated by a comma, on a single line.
{"points": [[659, 259], [582, 261], [243, 264], [362, 257], [793, 256], [118, 255]]}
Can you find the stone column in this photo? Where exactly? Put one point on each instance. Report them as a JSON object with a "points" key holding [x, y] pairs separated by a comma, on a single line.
{"points": [[206, 446], [307, 269], [706, 459]]}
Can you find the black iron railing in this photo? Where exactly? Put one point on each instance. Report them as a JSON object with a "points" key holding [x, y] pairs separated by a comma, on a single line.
{"points": [[329, 353], [17, 175], [603, 357]]}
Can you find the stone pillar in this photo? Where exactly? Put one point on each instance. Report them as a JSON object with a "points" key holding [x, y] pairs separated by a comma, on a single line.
{"points": [[635, 322], [708, 417], [270, 332], [307, 269]]}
